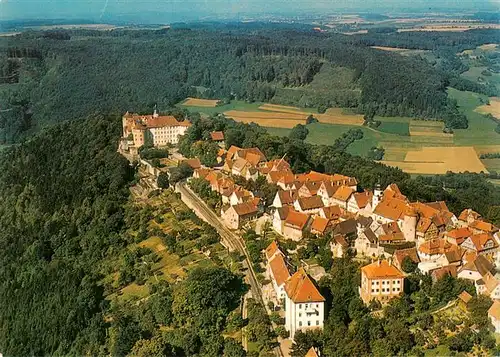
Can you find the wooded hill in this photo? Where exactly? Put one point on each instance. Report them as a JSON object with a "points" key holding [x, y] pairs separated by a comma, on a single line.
{"points": [[54, 76]]}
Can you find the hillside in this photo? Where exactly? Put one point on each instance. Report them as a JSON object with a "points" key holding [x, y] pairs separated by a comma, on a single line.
{"points": [[48, 77]]}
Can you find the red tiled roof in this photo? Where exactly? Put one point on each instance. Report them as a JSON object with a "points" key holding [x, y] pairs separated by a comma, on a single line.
{"points": [[301, 289], [363, 198], [436, 246], [193, 163], [245, 208], [494, 310], [343, 193], [465, 296], [391, 208], [464, 215], [307, 203], [311, 353], [217, 135], [151, 121], [483, 226], [480, 240], [287, 197], [319, 224], [381, 269], [459, 234], [296, 219], [332, 212], [279, 269], [443, 271], [271, 249]]}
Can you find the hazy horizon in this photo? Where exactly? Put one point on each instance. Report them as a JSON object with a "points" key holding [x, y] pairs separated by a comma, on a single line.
{"points": [[165, 11]]}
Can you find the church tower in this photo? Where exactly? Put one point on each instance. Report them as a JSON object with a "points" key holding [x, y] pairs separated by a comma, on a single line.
{"points": [[377, 195]]}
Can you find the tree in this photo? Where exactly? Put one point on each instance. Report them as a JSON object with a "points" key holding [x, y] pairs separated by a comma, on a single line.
{"points": [[311, 119], [232, 348], [299, 132], [162, 180], [180, 173], [408, 265]]}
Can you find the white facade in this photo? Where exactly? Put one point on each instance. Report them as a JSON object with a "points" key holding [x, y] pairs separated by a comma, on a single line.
{"points": [[167, 135], [303, 316]]}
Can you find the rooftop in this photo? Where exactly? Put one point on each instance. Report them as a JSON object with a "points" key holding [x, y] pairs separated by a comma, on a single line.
{"points": [[301, 289], [381, 269]]}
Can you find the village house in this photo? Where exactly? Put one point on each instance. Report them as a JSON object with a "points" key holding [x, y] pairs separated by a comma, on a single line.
{"points": [[310, 204], [483, 244], [332, 213], [482, 227], [494, 315], [279, 217], [284, 198], [467, 216], [312, 352], [366, 243], [441, 272], [458, 235], [235, 216], [338, 245], [278, 273], [341, 196], [381, 281], [308, 189], [476, 269], [296, 223], [488, 285], [392, 206], [320, 226], [218, 137], [463, 300], [201, 173], [360, 201], [240, 195], [159, 130], [304, 305]]}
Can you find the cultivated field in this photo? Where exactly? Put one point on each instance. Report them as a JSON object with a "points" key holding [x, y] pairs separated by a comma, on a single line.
{"points": [[493, 108], [439, 160], [280, 116], [195, 102]]}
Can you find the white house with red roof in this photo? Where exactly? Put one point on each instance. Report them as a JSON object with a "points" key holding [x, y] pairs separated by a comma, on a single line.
{"points": [[304, 304]]}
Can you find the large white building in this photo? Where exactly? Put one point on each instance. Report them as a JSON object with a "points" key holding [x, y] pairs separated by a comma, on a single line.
{"points": [[159, 130], [304, 304]]}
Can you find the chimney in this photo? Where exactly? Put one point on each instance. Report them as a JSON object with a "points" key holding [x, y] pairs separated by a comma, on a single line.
{"points": [[378, 262]]}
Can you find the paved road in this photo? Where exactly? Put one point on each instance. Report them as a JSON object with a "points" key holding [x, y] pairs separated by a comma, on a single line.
{"points": [[229, 238]]}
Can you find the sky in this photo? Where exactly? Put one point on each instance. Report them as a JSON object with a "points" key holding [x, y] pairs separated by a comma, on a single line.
{"points": [[165, 11]]}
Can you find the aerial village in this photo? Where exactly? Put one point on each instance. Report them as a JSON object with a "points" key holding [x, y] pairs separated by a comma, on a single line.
{"points": [[380, 226]]}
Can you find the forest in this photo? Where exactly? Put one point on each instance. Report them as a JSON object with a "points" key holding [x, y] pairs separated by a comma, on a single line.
{"points": [[54, 76]]}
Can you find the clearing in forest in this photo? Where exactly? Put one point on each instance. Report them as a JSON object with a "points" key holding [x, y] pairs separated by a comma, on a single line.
{"points": [[196, 102], [439, 160], [390, 49], [493, 108]]}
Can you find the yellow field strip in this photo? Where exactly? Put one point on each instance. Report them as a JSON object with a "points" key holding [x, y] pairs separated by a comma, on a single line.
{"points": [[196, 102], [439, 160]]}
